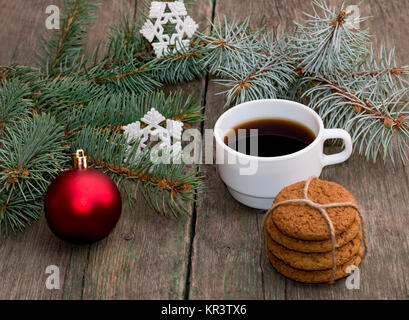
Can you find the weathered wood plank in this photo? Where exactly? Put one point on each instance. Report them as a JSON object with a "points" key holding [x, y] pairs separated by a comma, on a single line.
{"points": [[147, 256], [21, 26], [24, 259], [389, 24]]}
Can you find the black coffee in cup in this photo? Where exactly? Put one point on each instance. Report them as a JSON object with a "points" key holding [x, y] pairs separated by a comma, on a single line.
{"points": [[274, 137]]}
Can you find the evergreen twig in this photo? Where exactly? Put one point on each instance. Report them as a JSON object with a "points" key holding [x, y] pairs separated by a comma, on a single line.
{"points": [[63, 46]]}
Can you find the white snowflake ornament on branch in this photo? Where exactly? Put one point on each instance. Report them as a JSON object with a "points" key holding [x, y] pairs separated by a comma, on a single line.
{"points": [[153, 130], [152, 30]]}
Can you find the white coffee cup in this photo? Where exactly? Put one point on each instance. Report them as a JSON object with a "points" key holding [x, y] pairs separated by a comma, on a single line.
{"points": [[255, 181]]}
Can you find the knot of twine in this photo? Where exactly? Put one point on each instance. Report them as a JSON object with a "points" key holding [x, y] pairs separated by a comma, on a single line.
{"points": [[322, 209]]}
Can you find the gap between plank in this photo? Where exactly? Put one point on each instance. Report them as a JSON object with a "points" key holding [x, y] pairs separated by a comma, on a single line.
{"points": [[135, 10], [194, 212], [85, 272], [260, 228], [65, 276]]}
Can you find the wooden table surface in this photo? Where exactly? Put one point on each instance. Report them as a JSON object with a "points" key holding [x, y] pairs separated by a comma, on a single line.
{"points": [[214, 253]]}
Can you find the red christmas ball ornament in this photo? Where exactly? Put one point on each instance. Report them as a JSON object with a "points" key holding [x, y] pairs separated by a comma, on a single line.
{"points": [[82, 205]]}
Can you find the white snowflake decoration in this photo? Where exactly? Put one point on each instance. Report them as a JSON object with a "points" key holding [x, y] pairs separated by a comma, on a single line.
{"points": [[154, 131], [177, 11]]}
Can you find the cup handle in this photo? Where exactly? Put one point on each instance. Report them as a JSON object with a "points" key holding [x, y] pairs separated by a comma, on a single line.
{"points": [[328, 160]]}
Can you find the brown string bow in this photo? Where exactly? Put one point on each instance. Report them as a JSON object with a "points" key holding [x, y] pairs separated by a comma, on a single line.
{"points": [[322, 209]]}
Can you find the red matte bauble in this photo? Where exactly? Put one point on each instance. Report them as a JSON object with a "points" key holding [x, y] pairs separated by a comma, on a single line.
{"points": [[82, 206]]}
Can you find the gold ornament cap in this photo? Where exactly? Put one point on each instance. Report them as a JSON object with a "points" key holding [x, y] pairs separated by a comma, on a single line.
{"points": [[80, 160]]}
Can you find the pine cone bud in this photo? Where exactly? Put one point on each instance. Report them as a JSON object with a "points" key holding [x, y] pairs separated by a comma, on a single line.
{"points": [[396, 71], [358, 109], [3, 75], [11, 179], [388, 122]]}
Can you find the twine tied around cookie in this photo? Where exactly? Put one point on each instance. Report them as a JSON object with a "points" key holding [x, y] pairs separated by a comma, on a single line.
{"points": [[322, 209]]}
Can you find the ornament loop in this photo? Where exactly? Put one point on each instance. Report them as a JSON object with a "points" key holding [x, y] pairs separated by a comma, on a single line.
{"points": [[80, 160]]}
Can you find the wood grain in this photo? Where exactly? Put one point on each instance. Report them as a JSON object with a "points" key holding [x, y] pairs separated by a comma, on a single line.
{"points": [[21, 25]]}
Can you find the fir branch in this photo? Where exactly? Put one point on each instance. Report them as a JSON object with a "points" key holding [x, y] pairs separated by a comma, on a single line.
{"points": [[127, 44], [118, 76], [228, 44], [30, 157], [132, 75], [81, 88], [14, 102], [251, 64], [174, 185], [125, 41], [183, 65], [126, 64], [117, 110], [373, 123], [382, 69], [366, 95], [362, 105], [166, 187], [269, 77], [30, 77], [58, 96], [324, 45], [394, 71], [267, 73], [16, 213], [62, 46]]}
